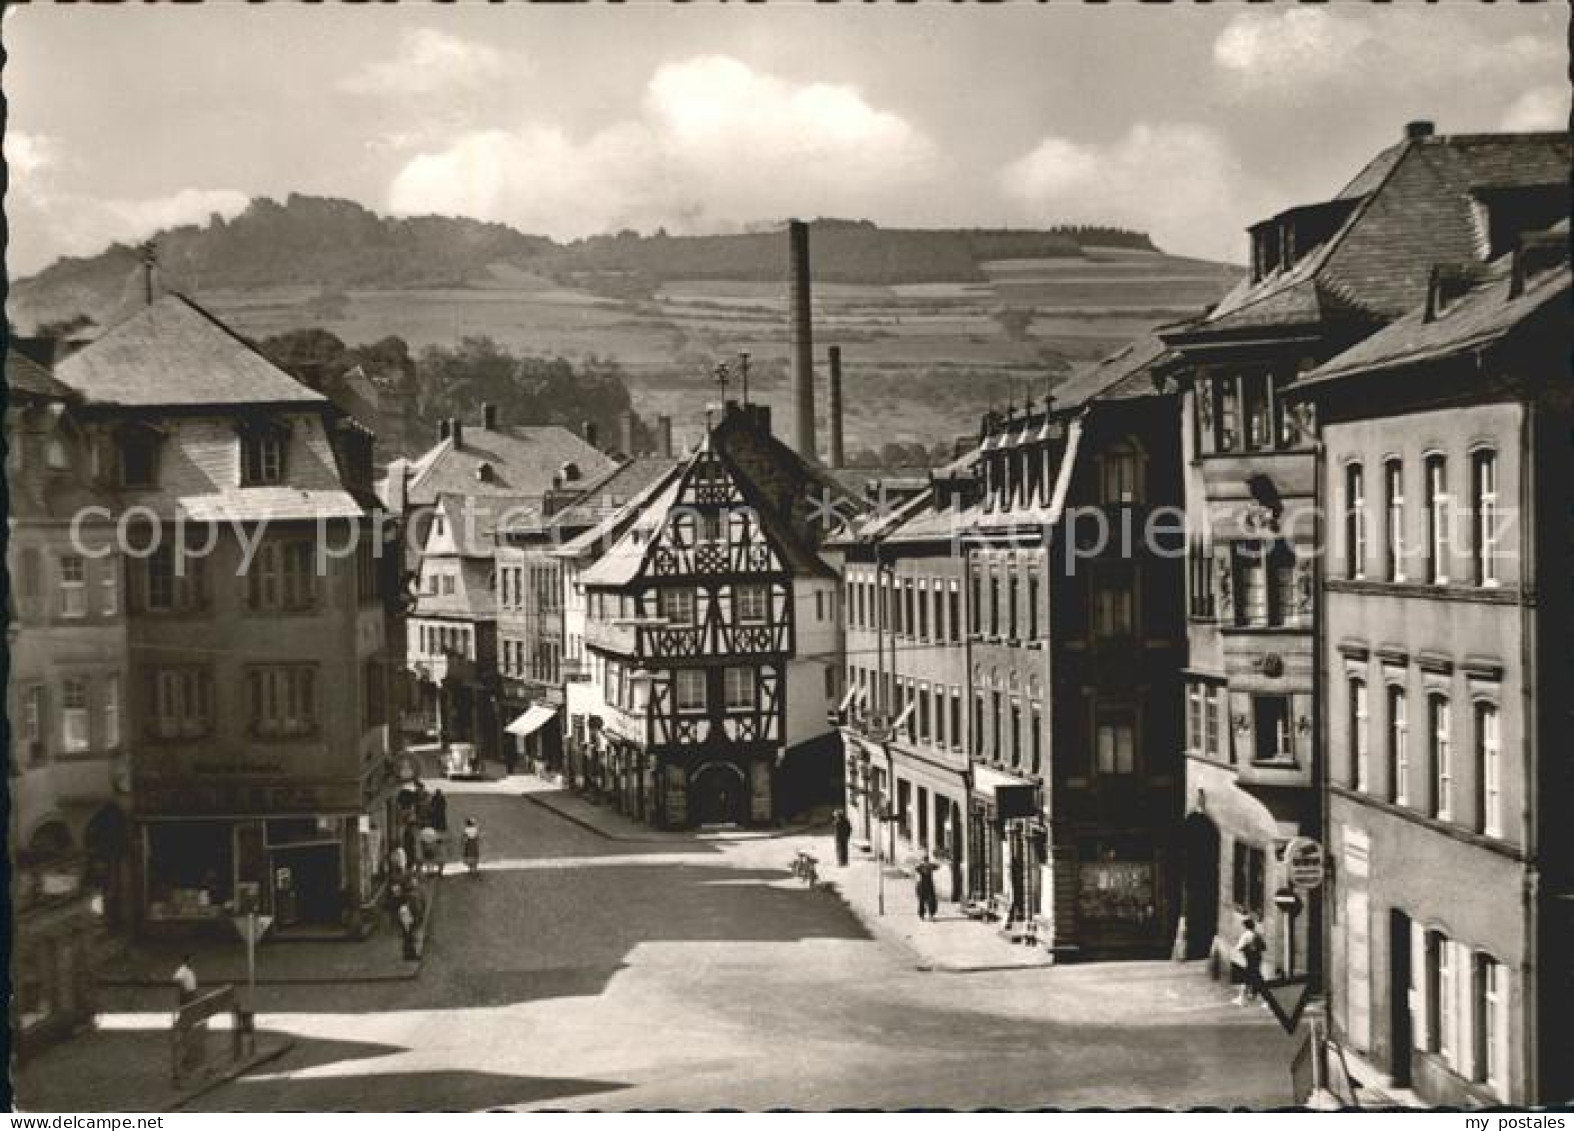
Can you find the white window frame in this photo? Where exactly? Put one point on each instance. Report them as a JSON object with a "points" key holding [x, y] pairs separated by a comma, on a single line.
{"points": [[112, 711], [1394, 526], [1355, 504], [739, 688], [686, 681], [1437, 507], [1360, 741], [73, 586], [1399, 743], [1440, 720], [746, 597], [1489, 766], [1483, 477], [76, 736]]}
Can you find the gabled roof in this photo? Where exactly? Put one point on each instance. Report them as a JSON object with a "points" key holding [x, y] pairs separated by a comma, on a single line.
{"points": [[611, 493], [1124, 374], [24, 377], [175, 353], [1414, 207], [522, 458], [1480, 318], [471, 520]]}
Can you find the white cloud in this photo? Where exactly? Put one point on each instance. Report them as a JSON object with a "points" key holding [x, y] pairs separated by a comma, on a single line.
{"points": [[1181, 182], [47, 224], [28, 154], [1310, 52], [715, 143], [428, 62], [1544, 108]]}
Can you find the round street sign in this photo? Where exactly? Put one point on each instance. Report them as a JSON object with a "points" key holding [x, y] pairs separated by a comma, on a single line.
{"points": [[1303, 860]]}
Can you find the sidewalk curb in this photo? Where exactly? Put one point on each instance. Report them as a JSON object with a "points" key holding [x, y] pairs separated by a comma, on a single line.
{"points": [[410, 972], [536, 798], [232, 1075], [877, 926]]}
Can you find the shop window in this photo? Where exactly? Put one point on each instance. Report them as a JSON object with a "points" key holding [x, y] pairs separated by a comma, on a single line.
{"points": [[190, 869], [1247, 881], [283, 700]]}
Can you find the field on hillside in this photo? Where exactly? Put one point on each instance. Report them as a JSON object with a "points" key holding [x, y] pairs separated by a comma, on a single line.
{"points": [[921, 361]]}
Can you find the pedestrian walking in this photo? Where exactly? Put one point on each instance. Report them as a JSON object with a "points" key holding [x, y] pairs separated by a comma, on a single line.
{"points": [[431, 857], [472, 847], [1246, 962], [924, 873], [843, 829], [185, 979], [439, 811], [407, 929]]}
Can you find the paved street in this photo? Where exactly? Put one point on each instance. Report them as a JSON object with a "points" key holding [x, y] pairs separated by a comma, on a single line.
{"points": [[580, 971]]}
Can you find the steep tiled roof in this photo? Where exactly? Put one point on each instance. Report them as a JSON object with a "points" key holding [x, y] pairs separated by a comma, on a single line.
{"points": [[25, 377], [175, 353], [611, 492], [522, 458], [1126, 373], [1415, 208], [1485, 315]]}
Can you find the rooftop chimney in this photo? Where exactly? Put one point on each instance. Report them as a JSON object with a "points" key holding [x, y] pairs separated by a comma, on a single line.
{"points": [[664, 437], [801, 337], [626, 432], [457, 431], [1419, 129], [834, 408], [588, 430], [489, 417]]}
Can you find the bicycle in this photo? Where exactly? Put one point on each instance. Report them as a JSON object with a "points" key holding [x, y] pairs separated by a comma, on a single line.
{"points": [[806, 868]]}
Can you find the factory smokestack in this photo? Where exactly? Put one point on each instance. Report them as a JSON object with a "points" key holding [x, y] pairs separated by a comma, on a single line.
{"points": [[833, 409], [801, 335]]}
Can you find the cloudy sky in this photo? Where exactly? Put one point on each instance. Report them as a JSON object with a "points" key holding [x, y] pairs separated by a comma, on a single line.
{"points": [[1189, 122]]}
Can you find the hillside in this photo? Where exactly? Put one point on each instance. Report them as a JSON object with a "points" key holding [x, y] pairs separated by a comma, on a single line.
{"points": [[935, 326]]}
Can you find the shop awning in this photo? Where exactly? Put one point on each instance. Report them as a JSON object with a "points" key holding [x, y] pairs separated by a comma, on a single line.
{"points": [[987, 780], [532, 720]]}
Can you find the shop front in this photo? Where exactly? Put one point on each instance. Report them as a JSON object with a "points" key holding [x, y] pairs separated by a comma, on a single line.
{"points": [[300, 854], [1009, 843], [535, 737]]}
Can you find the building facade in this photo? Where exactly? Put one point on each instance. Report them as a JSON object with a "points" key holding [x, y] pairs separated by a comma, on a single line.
{"points": [[713, 639], [1445, 654], [256, 707], [1009, 677], [1324, 276], [66, 699]]}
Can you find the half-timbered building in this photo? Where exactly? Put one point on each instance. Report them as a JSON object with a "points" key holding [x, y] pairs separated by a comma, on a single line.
{"points": [[713, 635]]}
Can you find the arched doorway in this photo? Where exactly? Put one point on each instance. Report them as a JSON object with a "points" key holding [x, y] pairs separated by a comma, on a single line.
{"points": [[720, 794], [1201, 841]]}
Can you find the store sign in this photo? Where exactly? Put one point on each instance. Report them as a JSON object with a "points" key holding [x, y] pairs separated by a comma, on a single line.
{"points": [[234, 798], [1016, 801], [1303, 863]]}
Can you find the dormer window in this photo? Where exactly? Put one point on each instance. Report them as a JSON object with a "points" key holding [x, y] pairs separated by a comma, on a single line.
{"points": [[262, 456]]}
